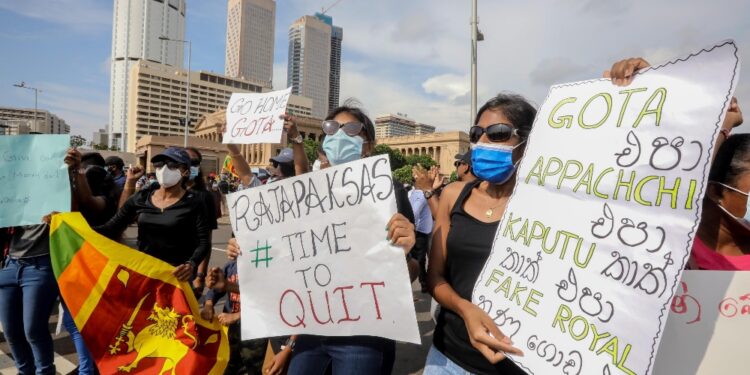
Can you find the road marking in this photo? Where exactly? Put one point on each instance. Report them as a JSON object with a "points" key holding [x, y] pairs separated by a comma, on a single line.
{"points": [[62, 365]]}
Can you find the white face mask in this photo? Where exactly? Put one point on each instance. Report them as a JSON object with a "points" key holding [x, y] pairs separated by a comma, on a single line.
{"points": [[168, 177]]}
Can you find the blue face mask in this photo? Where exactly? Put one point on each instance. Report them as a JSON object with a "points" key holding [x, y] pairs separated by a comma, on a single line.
{"points": [[493, 163], [194, 172], [341, 148]]}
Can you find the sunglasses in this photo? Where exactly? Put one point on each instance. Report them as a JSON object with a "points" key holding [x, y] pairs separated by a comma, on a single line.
{"points": [[352, 129], [169, 164], [195, 162], [495, 132], [458, 163]]}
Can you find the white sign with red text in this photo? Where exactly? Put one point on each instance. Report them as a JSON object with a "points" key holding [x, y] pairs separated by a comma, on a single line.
{"points": [[709, 319], [254, 118], [315, 259]]}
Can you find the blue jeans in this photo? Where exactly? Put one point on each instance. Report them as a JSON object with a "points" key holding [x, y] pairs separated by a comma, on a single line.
{"points": [[86, 365], [439, 364], [361, 355], [28, 291]]}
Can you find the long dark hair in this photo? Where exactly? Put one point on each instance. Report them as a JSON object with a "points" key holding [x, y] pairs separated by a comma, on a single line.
{"points": [[515, 107], [732, 160], [198, 183]]}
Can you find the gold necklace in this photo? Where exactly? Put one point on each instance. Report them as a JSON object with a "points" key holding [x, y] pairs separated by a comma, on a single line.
{"points": [[490, 211]]}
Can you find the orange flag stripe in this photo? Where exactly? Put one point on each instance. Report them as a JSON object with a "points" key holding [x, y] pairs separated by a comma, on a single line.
{"points": [[81, 274]]}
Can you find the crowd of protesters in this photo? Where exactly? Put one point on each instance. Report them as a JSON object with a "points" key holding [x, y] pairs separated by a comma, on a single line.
{"points": [[445, 229]]}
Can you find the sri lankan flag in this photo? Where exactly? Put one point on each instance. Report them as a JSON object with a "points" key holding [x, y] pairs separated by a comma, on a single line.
{"points": [[135, 317], [229, 166]]}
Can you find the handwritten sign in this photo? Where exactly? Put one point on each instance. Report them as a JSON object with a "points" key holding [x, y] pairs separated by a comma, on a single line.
{"points": [[34, 178], [600, 225], [254, 118], [706, 332], [315, 259]]}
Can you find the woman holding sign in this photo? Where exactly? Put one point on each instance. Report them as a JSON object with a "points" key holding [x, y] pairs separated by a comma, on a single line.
{"points": [[466, 338], [350, 136]]}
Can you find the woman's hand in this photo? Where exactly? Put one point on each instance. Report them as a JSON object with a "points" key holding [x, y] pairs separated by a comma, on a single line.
{"points": [[183, 272], [207, 312], [233, 249], [280, 362], [434, 175], [623, 71], [401, 232], [734, 115], [73, 159], [134, 174], [290, 126], [47, 219], [422, 179], [484, 334], [228, 318], [216, 279]]}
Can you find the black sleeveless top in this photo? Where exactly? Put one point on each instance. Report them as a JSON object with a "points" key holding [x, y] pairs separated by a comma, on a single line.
{"points": [[468, 246]]}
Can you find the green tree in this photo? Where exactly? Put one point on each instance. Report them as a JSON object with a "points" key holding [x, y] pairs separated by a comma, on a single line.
{"points": [[454, 176], [424, 160], [114, 148], [311, 149], [397, 158], [77, 141], [404, 175]]}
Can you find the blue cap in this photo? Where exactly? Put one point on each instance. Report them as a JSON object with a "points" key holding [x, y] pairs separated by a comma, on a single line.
{"points": [[286, 156], [176, 154]]}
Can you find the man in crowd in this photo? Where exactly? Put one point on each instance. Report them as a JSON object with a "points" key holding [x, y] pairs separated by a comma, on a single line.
{"points": [[115, 166]]}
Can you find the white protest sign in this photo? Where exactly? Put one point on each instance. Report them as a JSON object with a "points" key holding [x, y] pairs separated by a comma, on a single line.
{"points": [[601, 223], [708, 323], [254, 118], [315, 259]]}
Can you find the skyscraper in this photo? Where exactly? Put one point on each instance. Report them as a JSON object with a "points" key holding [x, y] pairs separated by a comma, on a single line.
{"points": [[136, 29], [250, 36], [308, 70], [337, 37]]}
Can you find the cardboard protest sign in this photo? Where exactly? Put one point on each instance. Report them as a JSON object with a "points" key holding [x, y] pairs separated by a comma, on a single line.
{"points": [[602, 220], [34, 178], [254, 118], [706, 332], [315, 259]]}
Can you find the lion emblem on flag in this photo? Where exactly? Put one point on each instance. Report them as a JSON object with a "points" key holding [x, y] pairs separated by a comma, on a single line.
{"points": [[157, 340]]}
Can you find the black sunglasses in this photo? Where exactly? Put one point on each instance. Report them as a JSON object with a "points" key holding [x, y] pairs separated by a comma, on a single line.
{"points": [[195, 162], [330, 127], [170, 164], [457, 163], [495, 132]]}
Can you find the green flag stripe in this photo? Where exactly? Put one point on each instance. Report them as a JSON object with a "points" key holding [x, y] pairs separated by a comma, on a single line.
{"points": [[64, 244]]}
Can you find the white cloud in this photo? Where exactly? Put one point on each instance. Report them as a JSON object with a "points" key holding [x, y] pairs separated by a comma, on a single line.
{"points": [[449, 86]]}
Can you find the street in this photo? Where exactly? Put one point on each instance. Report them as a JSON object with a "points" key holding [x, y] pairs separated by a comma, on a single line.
{"points": [[410, 358]]}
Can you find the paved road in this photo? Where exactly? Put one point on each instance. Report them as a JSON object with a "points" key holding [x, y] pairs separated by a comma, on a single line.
{"points": [[409, 357]]}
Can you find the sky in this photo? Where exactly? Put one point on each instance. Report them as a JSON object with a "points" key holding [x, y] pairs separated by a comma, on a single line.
{"points": [[401, 56]]}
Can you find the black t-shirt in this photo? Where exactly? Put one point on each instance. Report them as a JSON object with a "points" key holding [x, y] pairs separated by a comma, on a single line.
{"points": [[29, 241], [176, 234], [468, 246], [209, 203]]}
